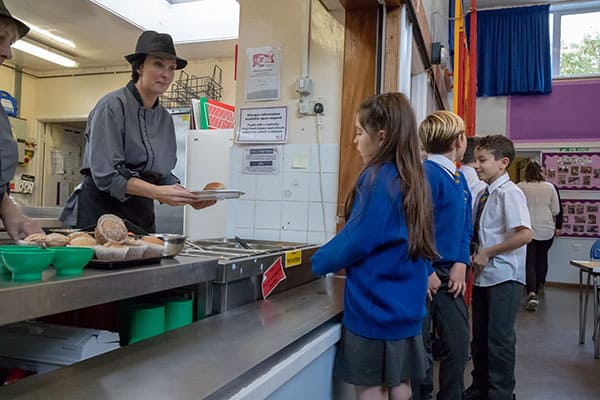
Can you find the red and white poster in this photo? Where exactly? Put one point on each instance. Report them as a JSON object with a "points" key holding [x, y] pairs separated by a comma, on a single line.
{"points": [[272, 277]]}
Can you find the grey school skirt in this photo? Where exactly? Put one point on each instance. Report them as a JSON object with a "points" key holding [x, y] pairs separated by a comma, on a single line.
{"points": [[373, 362]]}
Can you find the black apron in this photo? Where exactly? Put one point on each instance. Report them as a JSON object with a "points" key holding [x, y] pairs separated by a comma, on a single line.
{"points": [[93, 203]]}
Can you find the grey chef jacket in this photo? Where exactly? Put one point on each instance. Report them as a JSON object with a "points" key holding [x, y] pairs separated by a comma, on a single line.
{"points": [[125, 140], [8, 153]]}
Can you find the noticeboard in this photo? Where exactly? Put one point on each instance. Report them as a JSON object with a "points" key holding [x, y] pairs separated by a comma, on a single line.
{"points": [[580, 218], [572, 171]]}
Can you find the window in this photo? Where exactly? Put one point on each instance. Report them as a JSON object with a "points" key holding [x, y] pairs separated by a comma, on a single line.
{"points": [[575, 39]]}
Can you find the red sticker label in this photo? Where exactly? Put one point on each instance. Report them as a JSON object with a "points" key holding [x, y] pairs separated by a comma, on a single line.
{"points": [[271, 277]]}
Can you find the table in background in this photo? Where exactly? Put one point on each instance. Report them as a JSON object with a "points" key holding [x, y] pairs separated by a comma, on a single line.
{"points": [[592, 269]]}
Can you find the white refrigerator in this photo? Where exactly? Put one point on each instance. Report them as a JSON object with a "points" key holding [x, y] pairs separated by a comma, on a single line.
{"points": [[207, 160], [202, 157]]}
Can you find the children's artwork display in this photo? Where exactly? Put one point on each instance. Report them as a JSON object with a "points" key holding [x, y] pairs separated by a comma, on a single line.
{"points": [[580, 218], [572, 171]]}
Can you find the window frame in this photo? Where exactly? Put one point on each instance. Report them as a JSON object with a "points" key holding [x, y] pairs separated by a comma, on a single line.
{"points": [[556, 14]]}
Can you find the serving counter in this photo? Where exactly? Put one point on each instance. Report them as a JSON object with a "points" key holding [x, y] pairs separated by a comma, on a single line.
{"points": [[54, 294], [244, 353]]}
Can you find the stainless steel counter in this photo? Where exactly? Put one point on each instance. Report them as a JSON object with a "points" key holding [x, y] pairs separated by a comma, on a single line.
{"points": [[20, 301], [209, 359]]}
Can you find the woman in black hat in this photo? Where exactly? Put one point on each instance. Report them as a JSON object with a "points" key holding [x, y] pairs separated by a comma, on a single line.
{"points": [[130, 144], [17, 225]]}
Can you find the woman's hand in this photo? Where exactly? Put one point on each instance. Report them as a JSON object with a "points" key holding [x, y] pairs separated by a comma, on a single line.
{"points": [[174, 195], [17, 225]]}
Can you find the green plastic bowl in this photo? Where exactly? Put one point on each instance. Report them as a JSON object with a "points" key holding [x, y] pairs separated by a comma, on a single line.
{"points": [[70, 261], [3, 269], [26, 264]]}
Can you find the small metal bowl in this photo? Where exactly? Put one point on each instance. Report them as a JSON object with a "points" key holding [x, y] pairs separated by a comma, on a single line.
{"points": [[173, 243]]}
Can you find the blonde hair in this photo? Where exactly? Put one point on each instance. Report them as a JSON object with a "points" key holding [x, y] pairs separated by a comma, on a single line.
{"points": [[439, 130]]}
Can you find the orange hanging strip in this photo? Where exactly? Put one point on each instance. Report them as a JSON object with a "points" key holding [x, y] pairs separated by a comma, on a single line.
{"points": [[472, 93]]}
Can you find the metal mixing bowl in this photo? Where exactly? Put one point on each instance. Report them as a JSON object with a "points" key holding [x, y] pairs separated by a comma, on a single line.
{"points": [[173, 243]]}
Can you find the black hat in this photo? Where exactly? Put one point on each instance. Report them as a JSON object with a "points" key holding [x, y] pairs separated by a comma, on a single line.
{"points": [[22, 29], [158, 44]]}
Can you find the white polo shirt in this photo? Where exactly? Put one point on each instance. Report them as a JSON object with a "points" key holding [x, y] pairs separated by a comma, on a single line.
{"points": [[505, 210]]}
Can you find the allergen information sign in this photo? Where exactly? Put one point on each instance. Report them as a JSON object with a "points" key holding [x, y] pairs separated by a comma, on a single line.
{"points": [[263, 125]]}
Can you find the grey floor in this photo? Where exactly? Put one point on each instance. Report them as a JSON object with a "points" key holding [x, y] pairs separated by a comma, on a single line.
{"points": [[551, 364]]}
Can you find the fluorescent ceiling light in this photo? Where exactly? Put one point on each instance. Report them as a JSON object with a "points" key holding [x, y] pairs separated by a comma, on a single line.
{"points": [[47, 55], [186, 22], [50, 35]]}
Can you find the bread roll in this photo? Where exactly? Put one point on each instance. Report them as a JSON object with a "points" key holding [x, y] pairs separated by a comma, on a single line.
{"points": [[56, 240], [81, 239], [37, 238], [73, 235], [110, 228], [214, 186], [153, 240]]}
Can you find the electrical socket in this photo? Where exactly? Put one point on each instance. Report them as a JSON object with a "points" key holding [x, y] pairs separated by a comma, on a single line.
{"points": [[307, 106]]}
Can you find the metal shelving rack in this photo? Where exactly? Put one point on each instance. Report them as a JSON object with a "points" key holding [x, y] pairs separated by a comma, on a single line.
{"points": [[188, 87]]}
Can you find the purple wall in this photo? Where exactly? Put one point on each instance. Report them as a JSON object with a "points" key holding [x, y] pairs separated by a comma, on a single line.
{"points": [[571, 113]]}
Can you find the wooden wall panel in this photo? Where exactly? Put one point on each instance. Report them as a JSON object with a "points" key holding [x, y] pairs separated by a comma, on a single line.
{"points": [[392, 50], [358, 84]]}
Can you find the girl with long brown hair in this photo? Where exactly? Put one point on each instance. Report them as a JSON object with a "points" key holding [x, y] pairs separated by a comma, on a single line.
{"points": [[386, 248]]}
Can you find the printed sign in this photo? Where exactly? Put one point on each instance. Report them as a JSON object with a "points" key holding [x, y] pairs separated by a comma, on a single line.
{"points": [[261, 161], [272, 277], [263, 69], [293, 258], [263, 125]]}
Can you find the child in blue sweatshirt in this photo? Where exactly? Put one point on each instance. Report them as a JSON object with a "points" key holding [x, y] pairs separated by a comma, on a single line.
{"points": [[386, 247], [443, 136]]}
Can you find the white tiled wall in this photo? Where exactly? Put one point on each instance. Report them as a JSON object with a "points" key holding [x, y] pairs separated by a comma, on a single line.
{"points": [[286, 206]]}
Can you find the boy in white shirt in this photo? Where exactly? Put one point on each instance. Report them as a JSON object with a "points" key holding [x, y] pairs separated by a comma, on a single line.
{"points": [[502, 228], [467, 167]]}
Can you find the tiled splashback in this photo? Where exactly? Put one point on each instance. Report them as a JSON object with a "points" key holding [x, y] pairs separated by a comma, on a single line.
{"points": [[287, 205]]}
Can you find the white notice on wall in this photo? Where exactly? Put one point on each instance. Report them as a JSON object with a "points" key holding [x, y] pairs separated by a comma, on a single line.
{"points": [[263, 125], [260, 160], [263, 67], [57, 162]]}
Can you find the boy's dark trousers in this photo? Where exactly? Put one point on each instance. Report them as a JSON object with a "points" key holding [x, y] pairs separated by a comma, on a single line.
{"points": [[494, 311], [452, 327]]}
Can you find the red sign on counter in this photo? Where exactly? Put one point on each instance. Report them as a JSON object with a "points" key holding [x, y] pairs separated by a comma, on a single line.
{"points": [[271, 277]]}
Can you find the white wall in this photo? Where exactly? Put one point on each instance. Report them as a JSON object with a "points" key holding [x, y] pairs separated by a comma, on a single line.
{"points": [[288, 205], [75, 96], [282, 24]]}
